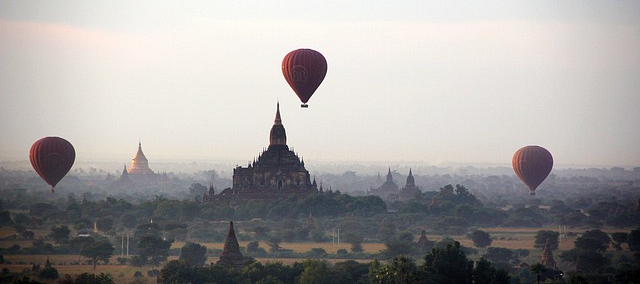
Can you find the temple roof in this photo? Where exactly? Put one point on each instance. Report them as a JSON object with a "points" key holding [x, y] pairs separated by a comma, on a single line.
{"points": [[277, 136], [139, 155], [411, 182]]}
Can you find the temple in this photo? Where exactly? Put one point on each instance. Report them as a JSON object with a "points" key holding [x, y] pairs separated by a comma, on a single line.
{"points": [[277, 172], [140, 164], [231, 257], [139, 173], [389, 190], [547, 256]]}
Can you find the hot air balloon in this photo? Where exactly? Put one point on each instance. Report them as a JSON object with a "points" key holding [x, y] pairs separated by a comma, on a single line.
{"points": [[532, 164], [304, 70], [52, 158]]}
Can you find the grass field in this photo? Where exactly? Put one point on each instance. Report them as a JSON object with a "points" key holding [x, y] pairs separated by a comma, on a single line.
{"points": [[512, 238]]}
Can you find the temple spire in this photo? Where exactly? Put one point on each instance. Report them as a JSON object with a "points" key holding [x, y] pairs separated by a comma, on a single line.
{"points": [[278, 120], [277, 136], [231, 257]]}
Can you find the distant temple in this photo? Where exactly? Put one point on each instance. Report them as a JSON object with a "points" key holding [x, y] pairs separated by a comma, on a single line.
{"points": [[410, 190], [140, 164], [547, 257], [389, 190], [277, 173], [231, 257], [139, 173], [423, 242]]}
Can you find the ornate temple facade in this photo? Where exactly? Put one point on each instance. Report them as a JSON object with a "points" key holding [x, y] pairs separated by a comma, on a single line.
{"points": [[277, 172]]}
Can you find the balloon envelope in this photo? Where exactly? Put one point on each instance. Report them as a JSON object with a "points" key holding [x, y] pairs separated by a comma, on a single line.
{"points": [[52, 158], [532, 164], [304, 70]]}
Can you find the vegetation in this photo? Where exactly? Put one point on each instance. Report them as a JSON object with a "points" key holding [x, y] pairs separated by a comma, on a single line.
{"points": [[179, 235]]}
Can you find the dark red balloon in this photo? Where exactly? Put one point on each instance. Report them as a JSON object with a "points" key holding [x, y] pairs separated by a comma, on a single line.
{"points": [[52, 158], [304, 70], [532, 164]]}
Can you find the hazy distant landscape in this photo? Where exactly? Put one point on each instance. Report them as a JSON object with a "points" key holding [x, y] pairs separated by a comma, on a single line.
{"points": [[346, 223], [293, 142]]}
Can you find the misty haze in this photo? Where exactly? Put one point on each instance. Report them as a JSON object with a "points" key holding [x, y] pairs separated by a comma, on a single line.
{"points": [[334, 142]]}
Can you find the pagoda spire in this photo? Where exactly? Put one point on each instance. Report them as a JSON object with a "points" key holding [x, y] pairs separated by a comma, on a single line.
{"points": [[277, 136], [277, 120], [547, 256], [411, 182], [231, 257]]}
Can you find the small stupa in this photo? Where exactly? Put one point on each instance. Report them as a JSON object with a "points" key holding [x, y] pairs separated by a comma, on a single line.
{"points": [[424, 243], [231, 257], [547, 257]]}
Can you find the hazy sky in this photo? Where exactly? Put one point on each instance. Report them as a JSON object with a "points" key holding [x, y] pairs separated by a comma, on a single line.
{"points": [[412, 81]]}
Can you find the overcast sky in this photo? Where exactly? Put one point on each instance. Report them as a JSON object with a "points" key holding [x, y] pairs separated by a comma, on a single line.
{"points": [[412, 81]]}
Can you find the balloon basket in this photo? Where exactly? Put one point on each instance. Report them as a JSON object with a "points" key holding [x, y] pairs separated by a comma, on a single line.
{"points": [[304, 106]]}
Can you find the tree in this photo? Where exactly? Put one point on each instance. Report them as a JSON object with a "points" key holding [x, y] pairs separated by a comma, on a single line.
{"points": [[96, 251], [48, 273], [193, 254], [5, 218], [197, 190], [274, 244], [585, 260], [484, 272], [60, 234], [177, 271], [594, 240], [500, 255], [449, 265], [544, 236], [618, 239], [481, 238], [633, 240], [153, 249], [104, 224], [539, 269], [355, 241], [87, 278], [402, 245], [315, 272]]}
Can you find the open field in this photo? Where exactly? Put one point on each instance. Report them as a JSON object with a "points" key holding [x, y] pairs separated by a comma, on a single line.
{"points": [[512, 238], [298, 247]]}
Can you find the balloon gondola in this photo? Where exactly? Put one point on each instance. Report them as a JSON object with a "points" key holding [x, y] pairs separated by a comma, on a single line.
{"points": [[532, 165], [304, 70], [52, 158]]}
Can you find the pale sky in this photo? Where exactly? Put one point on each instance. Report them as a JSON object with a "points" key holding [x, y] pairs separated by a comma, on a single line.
{"points": [[413, 81]]}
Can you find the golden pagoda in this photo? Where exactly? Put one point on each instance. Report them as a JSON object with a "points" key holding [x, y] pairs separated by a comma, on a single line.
{"points": [[140, 164]]}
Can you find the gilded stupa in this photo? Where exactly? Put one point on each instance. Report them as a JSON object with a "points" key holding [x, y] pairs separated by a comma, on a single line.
{"points": [[140, 164]]}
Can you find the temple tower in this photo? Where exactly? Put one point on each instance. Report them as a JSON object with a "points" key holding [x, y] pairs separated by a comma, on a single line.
{"points": [[231, 257], [140, 164], [547, 256], [277, 135]]}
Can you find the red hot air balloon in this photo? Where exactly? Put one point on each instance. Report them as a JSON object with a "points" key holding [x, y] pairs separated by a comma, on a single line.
{"points": [[532, 164], [304, 70], [52, 158]]}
